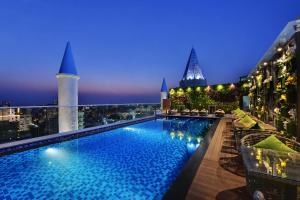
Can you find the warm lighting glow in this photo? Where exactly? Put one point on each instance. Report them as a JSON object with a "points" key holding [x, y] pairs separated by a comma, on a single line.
{"points": [[189, 89], [265, 63], [282, 163], [232, 86], [180, 92], [279, 49], [283, 97], [220, 87], [245, 85], [172, 92], [198, 89], [207, 89]]}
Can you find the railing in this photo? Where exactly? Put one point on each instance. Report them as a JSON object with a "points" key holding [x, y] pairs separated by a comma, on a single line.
{"points": [[17, 123]]}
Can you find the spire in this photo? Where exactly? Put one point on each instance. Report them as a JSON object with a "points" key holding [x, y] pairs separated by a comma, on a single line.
{"points": [[192, 69], [164, 87], [67, 64]]}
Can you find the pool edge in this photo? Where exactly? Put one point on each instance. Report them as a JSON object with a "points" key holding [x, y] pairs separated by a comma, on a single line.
{"points": [[181, 185], [32, 143]]}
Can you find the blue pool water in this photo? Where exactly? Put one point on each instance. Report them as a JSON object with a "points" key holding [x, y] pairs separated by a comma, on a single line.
{"points": [[135, 162]]}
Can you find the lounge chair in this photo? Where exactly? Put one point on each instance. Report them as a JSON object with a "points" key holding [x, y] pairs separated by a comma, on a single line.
{"points": [[203, 112], [194, 112], [173, 112], [248, 125], [185, 112], [238, 113], [219, 113], [271, 167]]}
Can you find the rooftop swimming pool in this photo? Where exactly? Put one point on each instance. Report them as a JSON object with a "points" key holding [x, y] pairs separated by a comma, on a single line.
{"points": [[140, 161]]}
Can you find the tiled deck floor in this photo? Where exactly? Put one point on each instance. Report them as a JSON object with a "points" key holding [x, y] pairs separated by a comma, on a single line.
{"points": [[211, 180]]}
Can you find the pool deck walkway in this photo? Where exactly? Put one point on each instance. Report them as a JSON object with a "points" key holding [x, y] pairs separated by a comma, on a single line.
{"points": [[211, 180]]}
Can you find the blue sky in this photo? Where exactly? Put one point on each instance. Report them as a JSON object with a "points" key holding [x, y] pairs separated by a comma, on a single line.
{"points": [[123, 49]]}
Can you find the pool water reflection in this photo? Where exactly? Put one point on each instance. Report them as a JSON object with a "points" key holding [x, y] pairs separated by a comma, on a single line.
{"points": [[135, 162]]}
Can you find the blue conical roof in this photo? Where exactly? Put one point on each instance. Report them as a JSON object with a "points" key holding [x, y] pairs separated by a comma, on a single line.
{"points": [[192, 69], [67, 64], [164, 87]]}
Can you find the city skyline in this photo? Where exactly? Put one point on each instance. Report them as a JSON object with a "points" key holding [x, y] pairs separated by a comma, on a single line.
{"points": [[122, 52]]}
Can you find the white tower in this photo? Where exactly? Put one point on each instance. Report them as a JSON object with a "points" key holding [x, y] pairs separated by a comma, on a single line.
{"points": [[67, 78], [163, 93]]}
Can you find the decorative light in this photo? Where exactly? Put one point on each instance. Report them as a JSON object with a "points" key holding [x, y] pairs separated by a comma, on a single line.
{"points": [[172, 92], [276, 110], [232, 86], [283, 97], [265, 63], [282, 163], [245, 85], [279, 49], [207, 89], [189, 89], [180, 92], [198, 140], [180, 135], [172, 134], [220, 87], [198, 89]]}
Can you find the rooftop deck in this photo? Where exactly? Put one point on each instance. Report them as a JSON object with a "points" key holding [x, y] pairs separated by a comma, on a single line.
{"points": [[212, 181]]}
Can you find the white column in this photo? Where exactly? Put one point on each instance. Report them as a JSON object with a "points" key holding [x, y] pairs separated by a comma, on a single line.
{"points": [[163, 95], [67, 102]]}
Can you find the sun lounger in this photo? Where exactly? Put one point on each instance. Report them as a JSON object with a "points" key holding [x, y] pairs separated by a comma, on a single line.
{"points": [[203, 112], [219, 113], [194, 112], [185, 112]]}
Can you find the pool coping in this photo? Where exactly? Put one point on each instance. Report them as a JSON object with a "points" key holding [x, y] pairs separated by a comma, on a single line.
{"points": [[181, 185], [26, 144], [190, 116]]}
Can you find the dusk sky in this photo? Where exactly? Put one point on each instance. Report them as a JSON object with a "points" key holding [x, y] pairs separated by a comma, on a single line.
{"points": [[123, 49]]}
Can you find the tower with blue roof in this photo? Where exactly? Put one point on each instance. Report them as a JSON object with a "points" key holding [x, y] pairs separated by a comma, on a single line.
{"points": [[193, 75], [67, 78], [163, 93]]}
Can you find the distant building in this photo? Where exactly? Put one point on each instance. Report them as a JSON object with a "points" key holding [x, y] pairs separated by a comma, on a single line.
{"points": [[80, 119], [193, 75], [13, 115], [25, 121], [9, 114]]}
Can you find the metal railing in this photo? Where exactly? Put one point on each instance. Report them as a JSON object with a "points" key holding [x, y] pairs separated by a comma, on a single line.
{"points": [[17, 123]]}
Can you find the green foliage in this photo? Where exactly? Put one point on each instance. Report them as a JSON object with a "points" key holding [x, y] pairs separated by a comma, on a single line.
{"points": [[199, 100], [226, 98], [227, 106]]}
